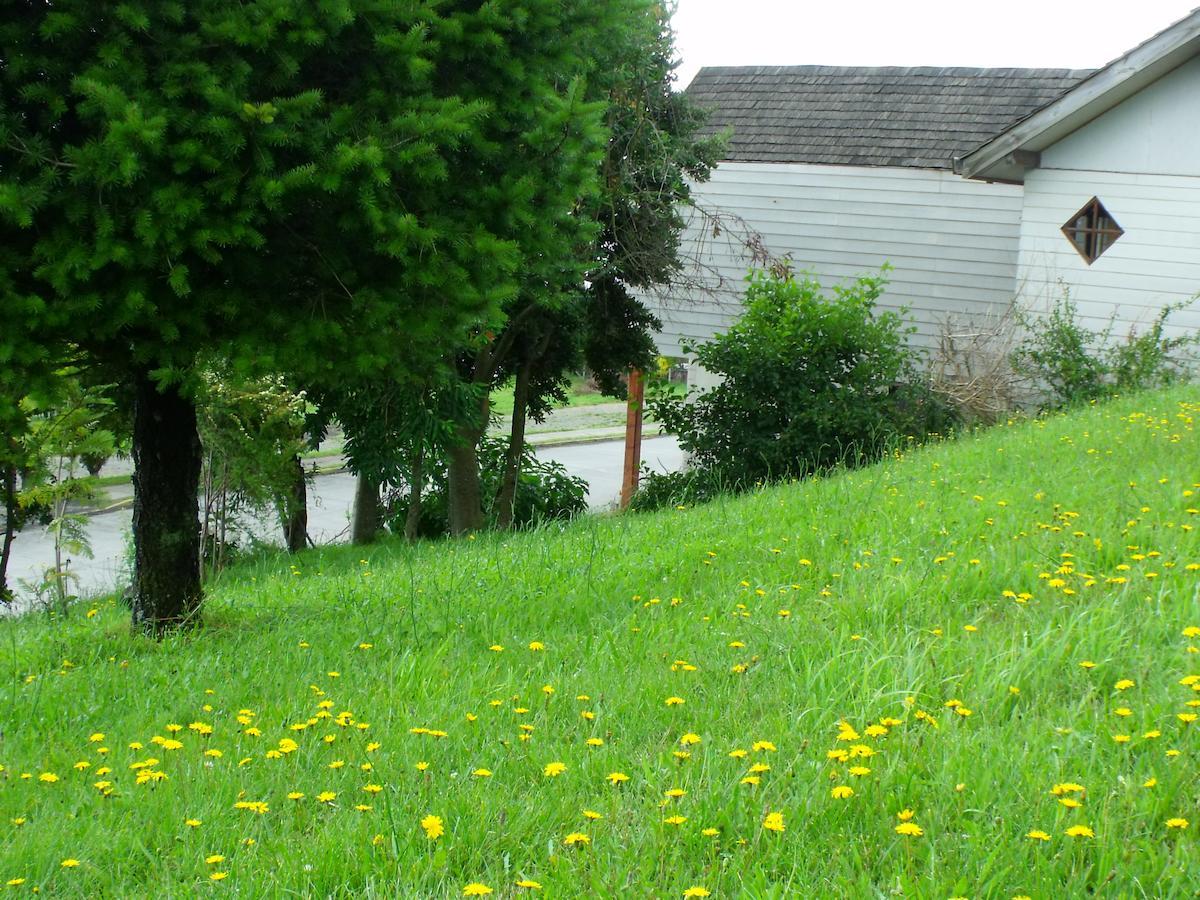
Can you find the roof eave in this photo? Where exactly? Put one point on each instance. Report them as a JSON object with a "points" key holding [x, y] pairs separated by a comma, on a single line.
{"points": [[998, 159]]}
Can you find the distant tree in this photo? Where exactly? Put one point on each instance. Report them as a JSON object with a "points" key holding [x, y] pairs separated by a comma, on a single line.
{"points": [[320, 190], [44, 468], [653, 155]]}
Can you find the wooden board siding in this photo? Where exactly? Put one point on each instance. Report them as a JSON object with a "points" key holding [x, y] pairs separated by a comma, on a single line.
{"points": [[1140, 159], [1155, 262], [952, 243]]}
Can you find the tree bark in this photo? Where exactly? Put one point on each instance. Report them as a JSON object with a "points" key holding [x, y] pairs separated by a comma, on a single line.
{"points": [[365, 526], [412, 521], [464, 495], [166, 524], [507, 495], [10, 530], [295, 518]]}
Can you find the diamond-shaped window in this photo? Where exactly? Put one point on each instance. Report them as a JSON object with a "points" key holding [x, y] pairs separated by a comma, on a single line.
{"points": [[1092, 230]]}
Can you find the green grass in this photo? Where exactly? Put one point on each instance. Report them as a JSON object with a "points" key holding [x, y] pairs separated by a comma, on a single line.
{"points": [[894, 579], [578, 394]]}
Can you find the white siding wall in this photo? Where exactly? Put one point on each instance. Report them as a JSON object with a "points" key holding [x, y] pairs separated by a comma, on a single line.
{"points": [[952, 243], [1142, 159]]}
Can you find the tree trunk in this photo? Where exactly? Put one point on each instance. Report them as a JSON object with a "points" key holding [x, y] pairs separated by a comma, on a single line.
{"points": [[166, 524], [295, 518], [365, 526], [412, 522], [10, 530], [507, 494], [465, 494]]}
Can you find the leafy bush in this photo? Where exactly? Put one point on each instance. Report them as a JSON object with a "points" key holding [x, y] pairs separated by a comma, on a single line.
{"points": [[544, 492], [253, 431], [1070, 364], [810, 381]]}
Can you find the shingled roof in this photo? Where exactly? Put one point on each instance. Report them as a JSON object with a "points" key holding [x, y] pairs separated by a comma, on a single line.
{"points": [[920, 118]]}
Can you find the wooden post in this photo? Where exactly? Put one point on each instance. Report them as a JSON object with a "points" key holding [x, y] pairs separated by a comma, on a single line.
{"points": [[633, 436]]}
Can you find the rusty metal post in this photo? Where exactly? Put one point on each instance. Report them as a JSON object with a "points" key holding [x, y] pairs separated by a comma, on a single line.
{"points": [[633, 436]]}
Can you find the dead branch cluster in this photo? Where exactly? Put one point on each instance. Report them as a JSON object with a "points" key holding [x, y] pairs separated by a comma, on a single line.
{"points": [[970, 366]]}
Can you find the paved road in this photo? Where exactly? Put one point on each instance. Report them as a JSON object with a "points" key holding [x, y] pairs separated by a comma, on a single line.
{"points": [[330, 501]]}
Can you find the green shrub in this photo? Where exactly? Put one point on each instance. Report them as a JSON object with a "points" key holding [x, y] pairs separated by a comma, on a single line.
{"points": [[545, 492], [809, 381], [1069, 364]]}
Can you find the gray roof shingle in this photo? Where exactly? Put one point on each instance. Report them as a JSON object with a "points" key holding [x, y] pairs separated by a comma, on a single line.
{"points": [[920, 118]]}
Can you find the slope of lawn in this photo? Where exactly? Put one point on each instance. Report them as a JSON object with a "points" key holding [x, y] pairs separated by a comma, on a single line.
{"points": [[972, 670]]}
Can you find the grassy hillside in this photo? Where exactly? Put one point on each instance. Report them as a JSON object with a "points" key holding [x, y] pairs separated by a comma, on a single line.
{"points": [[991, 645]]}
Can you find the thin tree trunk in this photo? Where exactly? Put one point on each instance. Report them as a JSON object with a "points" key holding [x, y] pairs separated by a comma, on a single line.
{"points": [[412, 522], [365, 526], [465, 494], [507, 495], [10, 530], [166, 524], [295, 518]]}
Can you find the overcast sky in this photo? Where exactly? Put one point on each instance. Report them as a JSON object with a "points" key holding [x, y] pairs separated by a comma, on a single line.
{"points": [[1074, 34]]}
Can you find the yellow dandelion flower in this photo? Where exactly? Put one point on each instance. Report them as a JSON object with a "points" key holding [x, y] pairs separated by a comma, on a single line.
{"points": [[69, 863], [577, 839], [695, 891], [1080, 831], [1177, 823], [1037, 835], [615, 778], [433, 827], [842, 792], [554, 769], [909, 829], [774, 822], [476, 889]]}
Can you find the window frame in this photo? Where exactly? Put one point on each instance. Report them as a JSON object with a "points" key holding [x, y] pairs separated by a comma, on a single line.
{"points": [[1097, 240]]}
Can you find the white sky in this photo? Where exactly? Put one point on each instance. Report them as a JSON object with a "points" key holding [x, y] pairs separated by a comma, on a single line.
{"points": [[1036, 33]]}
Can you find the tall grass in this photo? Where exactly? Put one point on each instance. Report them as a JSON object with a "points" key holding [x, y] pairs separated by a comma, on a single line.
{"points": [[957, 591]]}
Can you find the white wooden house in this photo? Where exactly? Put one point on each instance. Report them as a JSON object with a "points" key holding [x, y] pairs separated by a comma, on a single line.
{"points": [[1110, 179], [976, 185], [844, 169]]}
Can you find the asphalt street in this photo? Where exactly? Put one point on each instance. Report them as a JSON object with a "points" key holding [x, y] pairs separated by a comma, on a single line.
{"points": [[330, 501]]}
